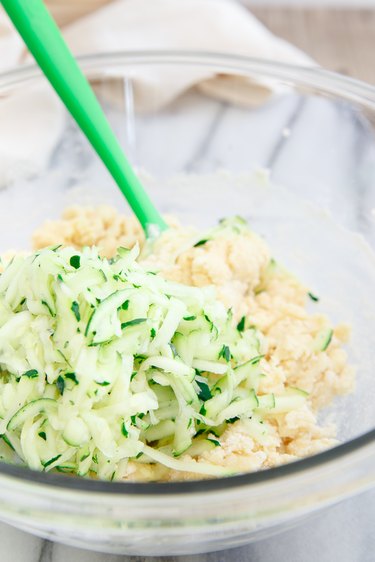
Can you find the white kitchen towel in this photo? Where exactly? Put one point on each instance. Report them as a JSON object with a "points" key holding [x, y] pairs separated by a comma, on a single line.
{"points": [[221, 26]]}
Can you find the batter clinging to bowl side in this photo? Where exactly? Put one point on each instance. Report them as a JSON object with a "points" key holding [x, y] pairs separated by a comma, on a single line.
{"points": [[267, 353]]}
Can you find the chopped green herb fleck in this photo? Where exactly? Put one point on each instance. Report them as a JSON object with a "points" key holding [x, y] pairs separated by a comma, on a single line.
{"points": [[60, 383], [152, 333], [72, 377], [75, 261], [189, 318], [204, 391], [203, 410], [75, 310], [32, 374], [125, 305], [241, 324], [200, 243], [103, 383], [95, 459], [313, 297], [43, 435], [133, 375], [225, 353], [124, 431]]}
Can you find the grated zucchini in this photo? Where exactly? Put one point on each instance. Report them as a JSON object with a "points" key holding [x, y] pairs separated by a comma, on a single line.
{"points": [[102, 362]]}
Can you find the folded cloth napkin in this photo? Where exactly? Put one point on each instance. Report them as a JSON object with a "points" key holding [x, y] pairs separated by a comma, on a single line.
{"points": [[128, 25]]}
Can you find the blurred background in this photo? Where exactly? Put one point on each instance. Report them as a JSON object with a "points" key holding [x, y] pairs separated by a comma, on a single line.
{"points": [[338, 34]]}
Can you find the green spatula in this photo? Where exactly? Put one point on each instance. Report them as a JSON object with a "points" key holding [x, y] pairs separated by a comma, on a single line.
{"points": [[44, 40]]}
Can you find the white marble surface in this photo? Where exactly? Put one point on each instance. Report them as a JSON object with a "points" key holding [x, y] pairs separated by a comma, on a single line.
{"points": [[345, 532]]}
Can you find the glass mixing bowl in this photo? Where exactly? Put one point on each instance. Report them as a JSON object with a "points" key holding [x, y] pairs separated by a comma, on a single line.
{"points": [[315, 136]]}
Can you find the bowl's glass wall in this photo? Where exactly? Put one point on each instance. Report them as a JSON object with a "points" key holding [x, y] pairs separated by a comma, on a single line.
{"points": [[315, 136]]}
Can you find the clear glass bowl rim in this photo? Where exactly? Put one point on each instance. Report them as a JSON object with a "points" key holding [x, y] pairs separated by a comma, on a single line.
{"points": [[315, 77]]}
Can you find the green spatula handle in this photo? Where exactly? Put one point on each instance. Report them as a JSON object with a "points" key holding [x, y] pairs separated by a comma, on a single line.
{"points": [[43, 38]]}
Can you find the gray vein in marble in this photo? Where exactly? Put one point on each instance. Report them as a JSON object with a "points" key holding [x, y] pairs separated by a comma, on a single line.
{"points": [[245, 137], [289, 124], [166, 141], [46, 551], [318, 163], [200, 152]]}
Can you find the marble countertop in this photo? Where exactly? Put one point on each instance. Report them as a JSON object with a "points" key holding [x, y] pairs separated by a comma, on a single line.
{"points": [[342, 533]]}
